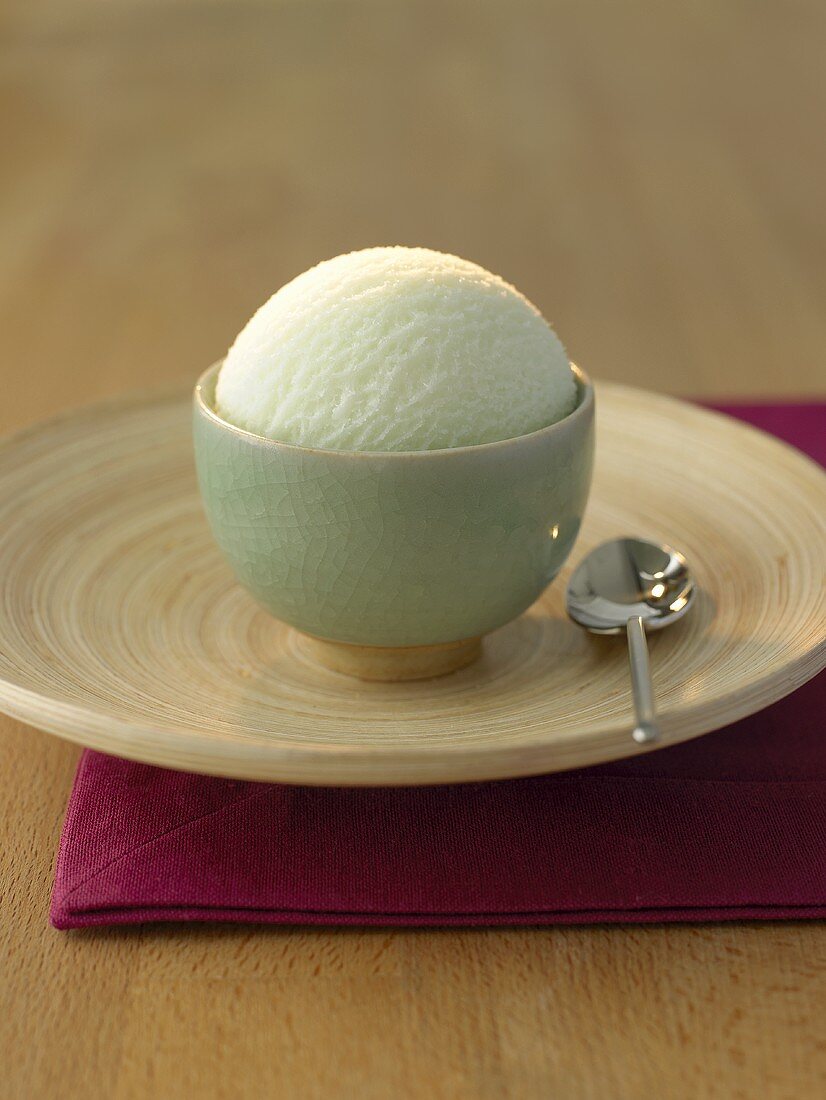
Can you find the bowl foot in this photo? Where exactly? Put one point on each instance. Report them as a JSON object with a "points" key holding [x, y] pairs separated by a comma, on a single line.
{"points": [[390, 664]]}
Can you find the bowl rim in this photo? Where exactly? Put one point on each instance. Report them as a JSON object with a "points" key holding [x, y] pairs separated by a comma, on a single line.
{"points": [[583, 408]]}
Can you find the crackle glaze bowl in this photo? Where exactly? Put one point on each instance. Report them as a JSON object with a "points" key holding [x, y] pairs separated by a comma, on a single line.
{"points": [[393, 565]]}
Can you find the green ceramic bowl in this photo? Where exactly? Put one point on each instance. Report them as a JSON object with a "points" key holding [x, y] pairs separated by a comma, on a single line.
{"points": [[395, 548]]}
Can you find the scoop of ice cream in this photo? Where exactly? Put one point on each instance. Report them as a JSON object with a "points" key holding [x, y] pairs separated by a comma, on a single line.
{"points": [[395, 349]]}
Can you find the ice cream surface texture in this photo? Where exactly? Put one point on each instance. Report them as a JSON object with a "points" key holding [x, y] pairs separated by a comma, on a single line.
{"points": [[395, 349]]}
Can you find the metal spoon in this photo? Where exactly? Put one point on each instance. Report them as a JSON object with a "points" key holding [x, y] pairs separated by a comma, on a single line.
{"points": [[630, 584]]}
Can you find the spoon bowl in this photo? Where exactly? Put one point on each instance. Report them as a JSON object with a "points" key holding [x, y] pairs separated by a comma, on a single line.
{"points": [[628, 578]]}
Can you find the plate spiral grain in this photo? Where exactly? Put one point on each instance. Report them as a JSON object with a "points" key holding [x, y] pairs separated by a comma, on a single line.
{"points": [[123, 629]]}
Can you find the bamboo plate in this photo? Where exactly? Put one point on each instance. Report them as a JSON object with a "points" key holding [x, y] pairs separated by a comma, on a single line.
{"points": [[123, 629]]}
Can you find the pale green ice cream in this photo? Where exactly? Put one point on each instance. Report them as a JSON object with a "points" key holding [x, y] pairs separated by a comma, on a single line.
{"points": [[395, 349]]}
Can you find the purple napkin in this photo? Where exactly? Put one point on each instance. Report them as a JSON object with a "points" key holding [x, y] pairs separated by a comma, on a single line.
{"points": [[730, 826]]}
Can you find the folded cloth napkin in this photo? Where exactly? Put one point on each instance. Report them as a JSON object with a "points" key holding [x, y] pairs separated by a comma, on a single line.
{"points": [[730, 826]]}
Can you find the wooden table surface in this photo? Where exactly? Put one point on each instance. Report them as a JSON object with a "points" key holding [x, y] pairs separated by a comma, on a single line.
{"points": [[652, 175]]}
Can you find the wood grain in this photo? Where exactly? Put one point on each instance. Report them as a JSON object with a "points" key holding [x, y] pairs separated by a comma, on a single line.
{"points": [[652, 175], [125, 630]]}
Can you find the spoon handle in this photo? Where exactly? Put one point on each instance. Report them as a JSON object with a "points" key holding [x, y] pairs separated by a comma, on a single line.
{"points": [[645, 730]]}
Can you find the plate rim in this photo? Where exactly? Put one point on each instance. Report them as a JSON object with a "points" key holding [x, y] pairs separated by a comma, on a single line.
{"points": [[134, 740]]}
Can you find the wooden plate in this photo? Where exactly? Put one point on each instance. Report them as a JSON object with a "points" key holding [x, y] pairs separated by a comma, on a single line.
{"points": [[123, 629]]}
